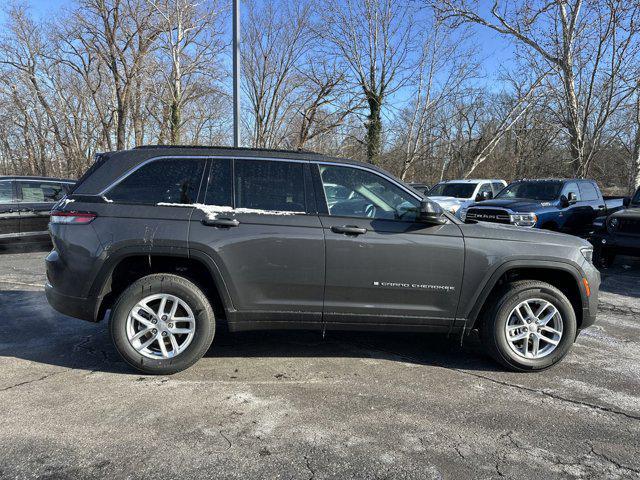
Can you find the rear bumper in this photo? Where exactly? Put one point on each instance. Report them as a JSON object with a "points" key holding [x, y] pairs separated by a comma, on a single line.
{"points": [[77, 307]]}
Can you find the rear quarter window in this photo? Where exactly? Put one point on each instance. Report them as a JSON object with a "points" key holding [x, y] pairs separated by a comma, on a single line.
{"points": [[161, 181]]}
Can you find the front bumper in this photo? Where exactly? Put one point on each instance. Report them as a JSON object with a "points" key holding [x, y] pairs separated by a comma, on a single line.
{"points": [[77, 307]]}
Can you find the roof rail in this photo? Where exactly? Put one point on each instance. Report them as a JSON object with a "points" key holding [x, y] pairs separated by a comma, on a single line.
{"points": [[223, 147]]}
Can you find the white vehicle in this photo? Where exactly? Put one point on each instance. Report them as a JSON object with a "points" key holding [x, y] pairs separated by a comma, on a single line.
{"points": [[451, 195]]}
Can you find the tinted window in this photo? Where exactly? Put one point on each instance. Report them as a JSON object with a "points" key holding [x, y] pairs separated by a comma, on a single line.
{"points": [[536, 190], [6, 192], [588, 191], [497, 186], [41, 192], [571, 188], [219, 191], [457, 190], [353, 192], [269, 185], [485, 187], [636, 198], [161, 181]]}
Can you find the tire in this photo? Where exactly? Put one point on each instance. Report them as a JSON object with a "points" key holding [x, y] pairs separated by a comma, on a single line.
{"points": [[603, 258], [192, 304], [494, 334]]}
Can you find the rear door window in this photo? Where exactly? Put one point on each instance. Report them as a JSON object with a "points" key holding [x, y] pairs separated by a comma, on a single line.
{"points": [[41, 192], [6, 192], [588, 191], [269, 185], [220, 185], [175, 180]]}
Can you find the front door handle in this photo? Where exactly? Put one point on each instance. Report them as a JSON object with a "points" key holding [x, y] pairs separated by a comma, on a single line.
{"points": [[220, 222], [348, 230]]}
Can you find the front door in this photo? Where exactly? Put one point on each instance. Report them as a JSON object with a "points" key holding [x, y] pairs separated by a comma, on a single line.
{"points": [[259, 226], [9, 216], [383, 265]]}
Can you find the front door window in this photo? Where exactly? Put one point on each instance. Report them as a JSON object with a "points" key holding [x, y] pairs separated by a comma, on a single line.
{"points": [[353, 192]]}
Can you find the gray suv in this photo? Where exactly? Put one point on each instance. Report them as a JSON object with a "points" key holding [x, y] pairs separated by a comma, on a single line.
{"points": [[173, 242]]}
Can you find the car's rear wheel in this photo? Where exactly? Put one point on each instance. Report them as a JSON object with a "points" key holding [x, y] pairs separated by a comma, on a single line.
{"points": [[162, 324], [531, 327]]}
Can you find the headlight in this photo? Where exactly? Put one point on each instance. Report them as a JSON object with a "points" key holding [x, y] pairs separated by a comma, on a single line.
{"points": [[463, 214], [614, 223], [587, 253], [523, 219]]}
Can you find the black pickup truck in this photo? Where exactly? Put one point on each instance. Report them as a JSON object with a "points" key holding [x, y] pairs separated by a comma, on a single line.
{"points": [[563, 205], [619, 234]]}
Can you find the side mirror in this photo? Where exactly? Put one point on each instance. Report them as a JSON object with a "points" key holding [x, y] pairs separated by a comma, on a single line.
{"points": [[572, 198], [484, 196], [626, 201], [564, 201], [431, 212]]}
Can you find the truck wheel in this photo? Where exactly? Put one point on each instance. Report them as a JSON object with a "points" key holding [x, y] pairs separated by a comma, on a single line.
{"points": [[603, 258], [531, 326], [162, 324]]}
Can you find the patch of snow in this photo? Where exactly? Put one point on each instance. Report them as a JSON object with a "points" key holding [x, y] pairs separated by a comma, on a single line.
{"points": [[108, 200], [212, 211]]}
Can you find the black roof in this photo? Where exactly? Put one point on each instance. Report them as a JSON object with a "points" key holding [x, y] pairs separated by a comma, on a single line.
{"points": [[28, 177], [552, 179]]}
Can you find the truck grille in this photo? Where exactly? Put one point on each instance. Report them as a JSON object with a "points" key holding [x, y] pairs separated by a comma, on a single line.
{"points": [[629, 225], [488, 215]]}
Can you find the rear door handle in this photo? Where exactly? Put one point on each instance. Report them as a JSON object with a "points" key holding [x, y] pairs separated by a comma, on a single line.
{"points": [[220, 222], [348, 230]]}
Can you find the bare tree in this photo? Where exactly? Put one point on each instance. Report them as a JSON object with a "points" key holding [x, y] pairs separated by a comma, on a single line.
{"points": [[374, 39], [586, 45], [275, 41]]}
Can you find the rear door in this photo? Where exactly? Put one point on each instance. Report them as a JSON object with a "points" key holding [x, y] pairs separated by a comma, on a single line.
{"points": [[384, 267], [9, 216], [259, 227], [36, 197]]}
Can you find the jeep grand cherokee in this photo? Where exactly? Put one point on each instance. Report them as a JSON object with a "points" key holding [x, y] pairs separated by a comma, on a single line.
{"points": [[172, 242]]}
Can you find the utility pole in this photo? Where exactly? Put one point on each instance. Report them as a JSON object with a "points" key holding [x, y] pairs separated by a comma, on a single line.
{"points": [[236, 73]]}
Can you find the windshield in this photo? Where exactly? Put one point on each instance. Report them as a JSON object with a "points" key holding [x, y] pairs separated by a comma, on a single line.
{"points": [[457, 190], [546, 190], [636, 198]]}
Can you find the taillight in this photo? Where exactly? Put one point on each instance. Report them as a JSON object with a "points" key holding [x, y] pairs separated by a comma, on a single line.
{"points": [[75, 218]]}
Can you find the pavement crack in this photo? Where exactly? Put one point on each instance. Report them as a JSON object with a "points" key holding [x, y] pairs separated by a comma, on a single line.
{"points": [[44, 377], [539, 391], [308, 465], [605, 457]]}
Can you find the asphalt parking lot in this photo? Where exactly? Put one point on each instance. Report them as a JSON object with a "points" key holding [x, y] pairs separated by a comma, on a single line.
{"points": [[291, 405]]}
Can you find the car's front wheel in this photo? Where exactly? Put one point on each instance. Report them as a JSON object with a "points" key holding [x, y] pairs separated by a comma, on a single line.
{"points": [[162, 324], [531, 327]]}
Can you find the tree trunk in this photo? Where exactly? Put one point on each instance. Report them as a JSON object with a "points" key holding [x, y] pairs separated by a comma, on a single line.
{"points": [[374, 128], [174, 123]]}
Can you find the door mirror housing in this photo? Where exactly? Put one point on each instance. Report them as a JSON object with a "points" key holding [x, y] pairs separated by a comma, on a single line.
{"points": [[564, 201], [626, 201], [431, 212]]}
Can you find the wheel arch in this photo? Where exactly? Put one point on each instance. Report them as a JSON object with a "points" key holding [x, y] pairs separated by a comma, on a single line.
{"points": [[128, 265], [562, 275]]}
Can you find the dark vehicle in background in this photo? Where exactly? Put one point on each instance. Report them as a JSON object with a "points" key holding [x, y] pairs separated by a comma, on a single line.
{"points": [[562, 205], [25, 203], [619, 234], [174, 241], [422, 188]]}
